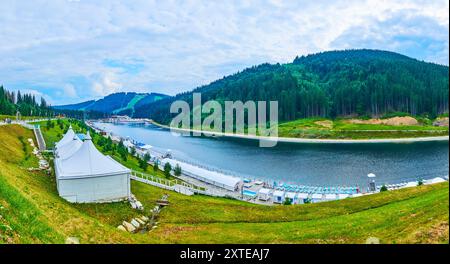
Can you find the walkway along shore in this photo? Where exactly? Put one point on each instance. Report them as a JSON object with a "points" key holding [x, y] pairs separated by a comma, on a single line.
{"points": [[261, 192], [305, 140]]}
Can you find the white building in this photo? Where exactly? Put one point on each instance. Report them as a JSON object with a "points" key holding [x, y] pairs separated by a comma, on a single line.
{"points": [[264, 194], [278, 196], [89, 176]]}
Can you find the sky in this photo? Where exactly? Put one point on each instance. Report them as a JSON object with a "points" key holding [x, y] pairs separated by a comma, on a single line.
{"points": [[69, 51]]}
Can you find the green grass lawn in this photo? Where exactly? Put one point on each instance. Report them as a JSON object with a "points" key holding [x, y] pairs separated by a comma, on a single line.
{"points": [[340, 129], [35, 213]]}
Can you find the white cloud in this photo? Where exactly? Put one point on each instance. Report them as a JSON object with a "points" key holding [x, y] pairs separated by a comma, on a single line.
{"points": [[106, 85], [70, 91], [183, 44]]}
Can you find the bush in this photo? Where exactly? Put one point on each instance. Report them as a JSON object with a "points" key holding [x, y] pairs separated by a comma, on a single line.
{"points": [[167, 169], [420, 183], [177, 170], [383, 188], [287, 201]]}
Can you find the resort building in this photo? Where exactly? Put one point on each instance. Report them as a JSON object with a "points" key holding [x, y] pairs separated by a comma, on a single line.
{"points": [[85, 175]]}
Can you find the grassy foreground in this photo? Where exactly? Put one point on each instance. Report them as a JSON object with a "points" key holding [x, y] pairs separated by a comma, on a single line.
{"points": [[32, 212]]}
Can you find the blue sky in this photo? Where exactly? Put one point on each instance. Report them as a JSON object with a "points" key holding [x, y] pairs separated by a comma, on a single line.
{"points": [[73, 50]]}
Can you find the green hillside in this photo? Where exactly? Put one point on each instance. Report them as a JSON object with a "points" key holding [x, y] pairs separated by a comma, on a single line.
{"points": [[116, 103], [32, 212], [331, 84]]}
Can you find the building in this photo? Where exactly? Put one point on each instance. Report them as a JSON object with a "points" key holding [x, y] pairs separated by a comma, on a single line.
{"points": [[86, 175]]}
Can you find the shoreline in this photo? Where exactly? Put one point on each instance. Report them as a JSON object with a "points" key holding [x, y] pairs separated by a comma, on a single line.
{"points": [[308, 140]]}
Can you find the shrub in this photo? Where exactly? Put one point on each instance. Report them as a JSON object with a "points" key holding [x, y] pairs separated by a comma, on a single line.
{"points": [[383, 188], [177, 170], [167, 169], [287, 201]]}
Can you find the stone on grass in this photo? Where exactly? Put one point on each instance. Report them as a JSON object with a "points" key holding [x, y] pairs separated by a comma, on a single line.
{"points": [[144, 218], [121, 227], [128, 226], [140, 221], [72, 240], [135, 223]]}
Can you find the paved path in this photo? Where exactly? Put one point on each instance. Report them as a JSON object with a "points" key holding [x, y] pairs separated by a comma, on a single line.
{"points": [[39, 138], [308, 140]]}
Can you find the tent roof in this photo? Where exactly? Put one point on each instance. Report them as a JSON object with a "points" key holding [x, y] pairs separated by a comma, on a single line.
{"points": [[330, 196], [302, 195], [218, 177], [342, 196], [264, 191], [290, 195], [87, 161], [371, 175], [411, 184], [68, 137], [316, 196], [278, 193], [68, 149], [436, 180]]}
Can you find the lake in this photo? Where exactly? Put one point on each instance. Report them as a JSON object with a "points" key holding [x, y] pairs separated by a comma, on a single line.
{"points": [[299, 163]]}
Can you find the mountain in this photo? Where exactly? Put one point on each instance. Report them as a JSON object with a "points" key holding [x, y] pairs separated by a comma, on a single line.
{"points": [[117, 103], [329, 84]]}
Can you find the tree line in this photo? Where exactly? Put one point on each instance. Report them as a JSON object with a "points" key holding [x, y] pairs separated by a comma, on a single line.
{"points": [[330, 84]]}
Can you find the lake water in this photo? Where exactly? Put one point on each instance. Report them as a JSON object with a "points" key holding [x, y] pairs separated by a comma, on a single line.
{"points": [[307, 164]]}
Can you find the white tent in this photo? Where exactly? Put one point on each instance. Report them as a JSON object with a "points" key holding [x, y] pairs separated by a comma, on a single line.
{"points": [[212, 177], [435, 180], [264, 194], [69, 148], [411, 184], [330, 196], [89, 176], [68, 137]]}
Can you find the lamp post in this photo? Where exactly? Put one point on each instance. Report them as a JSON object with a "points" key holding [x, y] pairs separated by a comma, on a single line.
{"points": [[372, 186]]}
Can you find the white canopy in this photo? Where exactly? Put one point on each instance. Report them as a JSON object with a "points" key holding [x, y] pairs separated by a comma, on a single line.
{"points": [[302, 195], [69, 148], [68, 137], [264, 191], [278, 193], [316, 196], [87, 161], [371, 175], [342, 196], [411, 184], [212, 177]]}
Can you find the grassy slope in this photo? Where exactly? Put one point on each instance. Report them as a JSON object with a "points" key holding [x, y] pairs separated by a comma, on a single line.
{"points": [[413, 215], [131, 103], [308, 128]]}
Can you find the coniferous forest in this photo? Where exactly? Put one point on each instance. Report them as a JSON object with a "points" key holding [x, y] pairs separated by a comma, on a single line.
{"points": [[26, 104], [330, 84]]}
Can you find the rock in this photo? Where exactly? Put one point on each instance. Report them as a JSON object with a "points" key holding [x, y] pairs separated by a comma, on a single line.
{"points": [[144, 218], [140, 221], [154, 227], [128, 226], [133, 205], [121, 227], [72, 240], [135, 223], [139, 205]]}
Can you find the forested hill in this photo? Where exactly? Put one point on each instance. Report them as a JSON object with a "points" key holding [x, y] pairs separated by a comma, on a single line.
{"points": [[25, 104], [117, 103], [330, 84]]}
